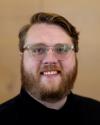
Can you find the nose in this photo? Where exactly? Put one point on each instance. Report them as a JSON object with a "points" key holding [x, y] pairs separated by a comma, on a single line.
{"points": [[50, 57]]}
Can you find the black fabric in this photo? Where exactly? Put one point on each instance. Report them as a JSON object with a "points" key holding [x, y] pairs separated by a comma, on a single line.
{"points": [[23, 109]]}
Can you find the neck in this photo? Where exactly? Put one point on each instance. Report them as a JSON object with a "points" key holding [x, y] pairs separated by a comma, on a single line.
{"points": [[55, 105]]}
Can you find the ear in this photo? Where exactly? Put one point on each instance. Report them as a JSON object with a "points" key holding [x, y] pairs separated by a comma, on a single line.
{"points": [[21, 54]]}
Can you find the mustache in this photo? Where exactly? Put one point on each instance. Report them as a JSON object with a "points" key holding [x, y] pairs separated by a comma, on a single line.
{"points": [[50, 67]]}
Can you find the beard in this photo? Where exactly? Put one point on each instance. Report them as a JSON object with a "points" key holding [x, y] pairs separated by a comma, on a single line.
{"points": [[33, 84]]}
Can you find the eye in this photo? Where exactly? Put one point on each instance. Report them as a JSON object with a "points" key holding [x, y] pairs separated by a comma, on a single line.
{"points": [[38, 50], [59, 49], [62, 48]]}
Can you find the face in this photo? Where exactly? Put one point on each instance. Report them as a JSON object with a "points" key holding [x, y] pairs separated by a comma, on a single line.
{"points": [[49, 78]]}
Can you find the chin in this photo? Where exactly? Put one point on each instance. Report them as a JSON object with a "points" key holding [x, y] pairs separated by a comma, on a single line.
{"points": [[51, 84], [52, 91]]}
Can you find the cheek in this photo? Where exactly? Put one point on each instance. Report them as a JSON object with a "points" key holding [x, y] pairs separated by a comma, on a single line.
{"points": [[69, 64], [29, 64]]}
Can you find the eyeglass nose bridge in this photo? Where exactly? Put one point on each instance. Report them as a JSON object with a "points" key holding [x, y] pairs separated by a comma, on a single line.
{"points": [[49, 48], [50, 55]]}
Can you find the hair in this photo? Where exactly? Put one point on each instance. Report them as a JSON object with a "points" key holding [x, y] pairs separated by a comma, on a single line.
{"points": [[49, 18]]}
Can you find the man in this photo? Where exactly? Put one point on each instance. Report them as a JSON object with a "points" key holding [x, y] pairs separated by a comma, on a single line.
{"points": [[48, 47]]}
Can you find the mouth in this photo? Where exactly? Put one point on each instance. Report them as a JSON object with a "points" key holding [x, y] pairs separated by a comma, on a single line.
{"points": [[50, 73]]}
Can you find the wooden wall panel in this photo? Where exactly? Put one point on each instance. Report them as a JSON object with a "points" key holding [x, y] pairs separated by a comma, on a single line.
{"points": [[85, 15]]}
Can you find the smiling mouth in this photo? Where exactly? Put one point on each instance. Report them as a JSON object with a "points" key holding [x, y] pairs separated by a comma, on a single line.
{"points": [[50, 73]]}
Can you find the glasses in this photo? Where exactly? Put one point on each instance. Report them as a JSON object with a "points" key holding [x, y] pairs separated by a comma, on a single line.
{"points": [[39, 51]]}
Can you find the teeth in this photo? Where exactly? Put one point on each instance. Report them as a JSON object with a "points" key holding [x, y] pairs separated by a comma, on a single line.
{"points": [[50, 73]]}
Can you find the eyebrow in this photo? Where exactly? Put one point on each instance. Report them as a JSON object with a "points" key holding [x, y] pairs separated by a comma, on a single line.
{"points": [[40, 44], [32, 44]]}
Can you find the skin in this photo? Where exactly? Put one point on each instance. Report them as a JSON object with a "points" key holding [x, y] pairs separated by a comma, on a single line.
{"points": [[51, 87]]}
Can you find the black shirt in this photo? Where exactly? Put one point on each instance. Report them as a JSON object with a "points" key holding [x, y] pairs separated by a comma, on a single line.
{"points": [[23, 109]]}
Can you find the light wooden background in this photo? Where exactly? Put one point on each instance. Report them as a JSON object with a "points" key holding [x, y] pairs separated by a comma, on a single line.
{"points": [[84, 14]]}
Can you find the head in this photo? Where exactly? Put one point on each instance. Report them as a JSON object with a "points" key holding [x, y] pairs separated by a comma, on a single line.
{"points": [[48, 46]]}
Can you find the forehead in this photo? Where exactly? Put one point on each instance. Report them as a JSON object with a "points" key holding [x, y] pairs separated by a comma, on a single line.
{"points": [[48, 34]]}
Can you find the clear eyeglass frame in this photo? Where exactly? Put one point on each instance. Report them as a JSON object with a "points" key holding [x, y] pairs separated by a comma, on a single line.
{"points": [[39, 51]]}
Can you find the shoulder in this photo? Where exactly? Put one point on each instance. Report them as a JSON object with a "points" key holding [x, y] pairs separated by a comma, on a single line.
{"points": [[10, 104], [86, 104], [86, 100], [87, 109], [10, 110]]}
